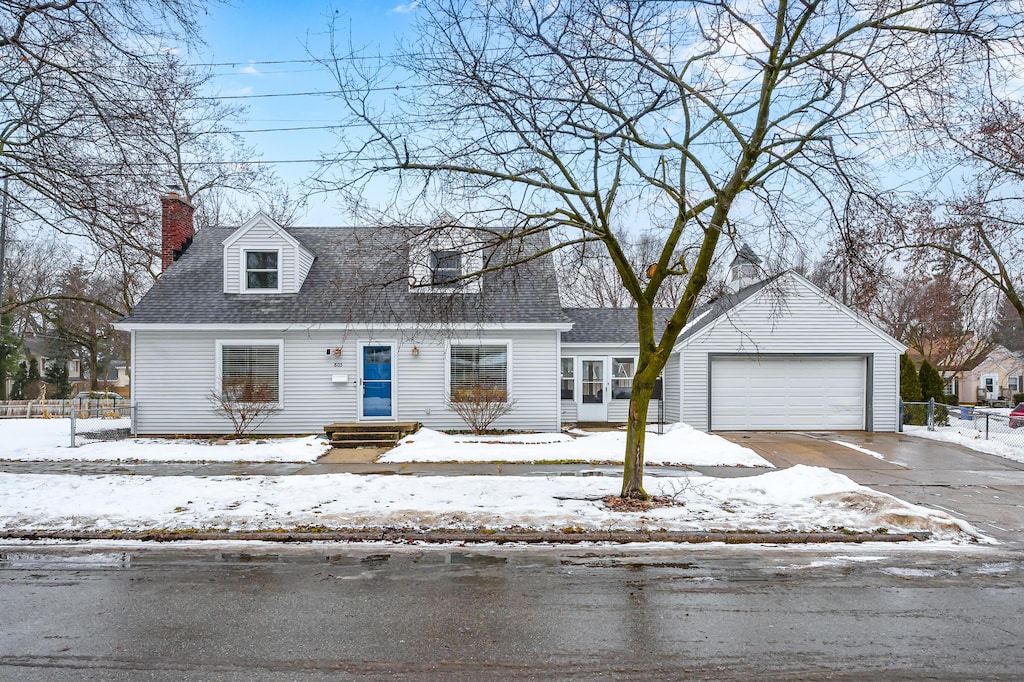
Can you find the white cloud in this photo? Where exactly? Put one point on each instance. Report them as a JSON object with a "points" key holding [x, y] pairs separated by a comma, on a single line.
{"points": [[250, 70], [404, 8]]}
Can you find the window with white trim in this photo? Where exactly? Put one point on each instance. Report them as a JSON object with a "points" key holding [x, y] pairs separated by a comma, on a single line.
{"points": [[250, 372], [445, 268], [1012, 384], [622, 377], [262, 271], [478, 371], [568, 378]]}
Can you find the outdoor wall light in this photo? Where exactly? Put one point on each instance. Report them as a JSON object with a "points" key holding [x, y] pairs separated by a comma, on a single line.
{"points": [[415, 350]]}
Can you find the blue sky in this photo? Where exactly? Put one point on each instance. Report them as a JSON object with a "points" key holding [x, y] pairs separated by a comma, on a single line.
{"points": [[248, 34]]}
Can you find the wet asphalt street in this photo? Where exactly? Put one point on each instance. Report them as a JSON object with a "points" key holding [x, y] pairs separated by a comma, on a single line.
{"points": [[319, 612]]}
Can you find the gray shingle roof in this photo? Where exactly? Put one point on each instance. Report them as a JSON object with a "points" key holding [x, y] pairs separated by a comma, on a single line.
{"points": [[618, 325], [609, 325], [360, 275]]}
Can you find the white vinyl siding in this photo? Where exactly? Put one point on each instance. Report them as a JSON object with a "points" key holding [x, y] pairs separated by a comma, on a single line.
{"points": [[791, 318], [671, 386], [174, 372], [304, 263]]}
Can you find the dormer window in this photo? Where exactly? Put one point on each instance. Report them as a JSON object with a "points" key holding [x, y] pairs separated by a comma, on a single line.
{"points": [[446, 259], [445, 268], [262, 271], [262, 258]]}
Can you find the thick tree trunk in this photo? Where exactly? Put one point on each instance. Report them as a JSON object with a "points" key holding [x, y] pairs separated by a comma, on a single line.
{"points": [[636, 431]]}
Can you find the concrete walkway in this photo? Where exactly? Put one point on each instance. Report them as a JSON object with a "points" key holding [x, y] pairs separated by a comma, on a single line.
{"points": [[986, 490]]}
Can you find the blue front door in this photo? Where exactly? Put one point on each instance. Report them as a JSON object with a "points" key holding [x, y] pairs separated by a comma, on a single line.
{"points": [[377, 390]]}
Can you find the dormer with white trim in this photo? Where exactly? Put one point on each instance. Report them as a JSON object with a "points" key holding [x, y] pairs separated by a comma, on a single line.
{"points": [[444, 259], [260, 257]]}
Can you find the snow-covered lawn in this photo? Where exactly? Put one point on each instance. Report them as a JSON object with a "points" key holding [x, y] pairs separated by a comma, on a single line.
{"points": [[800, 498], [967, 435], [49, 440], [44, 440], [681, 444]]}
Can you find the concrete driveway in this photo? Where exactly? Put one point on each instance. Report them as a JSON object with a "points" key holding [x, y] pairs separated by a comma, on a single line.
{"points": [[986, 490]]}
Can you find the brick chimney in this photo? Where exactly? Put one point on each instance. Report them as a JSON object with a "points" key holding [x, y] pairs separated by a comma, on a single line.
{"points": [[177, 228]]}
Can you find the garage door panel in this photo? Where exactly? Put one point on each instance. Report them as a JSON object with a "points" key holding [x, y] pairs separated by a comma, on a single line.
{"points": [[782, 393]]}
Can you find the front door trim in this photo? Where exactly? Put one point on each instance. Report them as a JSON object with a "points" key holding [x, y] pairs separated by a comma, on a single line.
{"points": [[360, 362]]}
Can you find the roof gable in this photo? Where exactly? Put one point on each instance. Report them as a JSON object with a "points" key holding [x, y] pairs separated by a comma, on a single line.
{"points": [[261, 220], [999, 358], [702, 322]]}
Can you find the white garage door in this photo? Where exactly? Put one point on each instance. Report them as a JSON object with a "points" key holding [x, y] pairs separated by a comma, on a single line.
{"points": [[784, 393]]}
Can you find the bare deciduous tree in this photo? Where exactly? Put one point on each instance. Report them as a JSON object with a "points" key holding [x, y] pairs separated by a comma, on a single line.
{"points": [[98, 115], [979, 235], [587, 277], [938, 317], [694, 123], [72, 83]]}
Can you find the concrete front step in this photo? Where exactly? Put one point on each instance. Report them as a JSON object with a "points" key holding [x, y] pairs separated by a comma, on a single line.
{"points": [[370, 443], [369, 435], [366, 435], [405, 428]]}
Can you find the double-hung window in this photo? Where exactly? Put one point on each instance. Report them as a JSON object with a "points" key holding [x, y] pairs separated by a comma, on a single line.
{"points": [[445, 268], [568, 378], [250, 372], [622, 378], [262, 271], [479, 373]]}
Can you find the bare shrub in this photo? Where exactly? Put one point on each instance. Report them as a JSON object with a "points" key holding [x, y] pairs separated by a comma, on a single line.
{"points": [[247, 405], [480, 405]]}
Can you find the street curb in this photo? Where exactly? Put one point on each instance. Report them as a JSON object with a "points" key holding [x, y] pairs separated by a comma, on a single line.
{"points": [[410, 536]]}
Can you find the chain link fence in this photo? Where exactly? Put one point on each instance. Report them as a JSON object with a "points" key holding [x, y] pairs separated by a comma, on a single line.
{"points": [[975, 423], [102, 422], [990, 425], [930, 414]]}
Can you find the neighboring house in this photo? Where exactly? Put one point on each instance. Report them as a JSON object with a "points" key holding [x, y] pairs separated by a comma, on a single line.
{"points": [[997, 376], [366, 324], [40, 350], [117, 377]]}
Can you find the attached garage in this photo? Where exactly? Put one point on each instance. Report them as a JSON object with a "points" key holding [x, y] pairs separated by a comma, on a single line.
{"points": [[780, 355], [789, 392]]}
